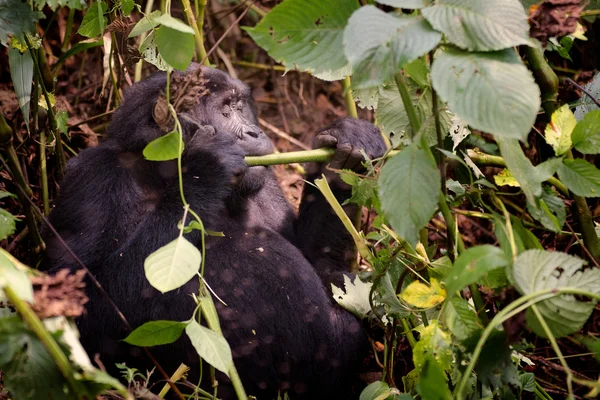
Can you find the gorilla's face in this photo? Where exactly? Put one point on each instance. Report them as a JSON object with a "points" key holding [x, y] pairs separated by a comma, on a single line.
{"points": [[229, 108]]}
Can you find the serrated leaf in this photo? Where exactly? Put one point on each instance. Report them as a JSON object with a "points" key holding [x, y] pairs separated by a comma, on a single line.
{"points": [[94, 21], [173, 265], [378, 44], [7, 224], [536, 270], [355, 298], [586, 135], [559, 129], [461, 319], [164, 148], [21, 72], [473, 264], [180, 56], [477, 25], [409, 184], [16, 19], [421, 295], [493, 92], [150, 21], [306, 34], [211, 346], [155, 333], [12, 273], [174, 23], [581, 177]]}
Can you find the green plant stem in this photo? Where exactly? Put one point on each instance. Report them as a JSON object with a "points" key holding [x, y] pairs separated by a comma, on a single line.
{"points": [[544, 77], [408, 332], [68, 28], [349, 98], [317, 155], [60, 154], [512, 309], [34, 323], [248, 64], [140, 64], [198, 26], [497, 161], [415, 122], [44, 172]]}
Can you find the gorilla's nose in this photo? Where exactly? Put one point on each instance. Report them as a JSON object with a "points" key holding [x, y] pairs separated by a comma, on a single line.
{"points": [[253, 131]]}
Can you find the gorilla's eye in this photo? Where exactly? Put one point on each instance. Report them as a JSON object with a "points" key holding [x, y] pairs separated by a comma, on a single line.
{"points": [[226, 111]]}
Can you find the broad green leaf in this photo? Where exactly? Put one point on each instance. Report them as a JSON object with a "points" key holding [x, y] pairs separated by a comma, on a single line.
{"points": [[306, 34], [174, 23], [12, 273], [356, 297], [62, 119], [155, 333], [54, 4], [421, 295], [492, 92], [393, 120], [150, 21], [581, 177], [473, 264], [592, 343], [381, 391], [16, 19], [94, 21], [461, 319], [179, 56], [21, 72], [586, 135], [78, 48], [433, 383], [173, 265], [379, 44], [477, 25], [164, 148], [536, 270], [406, 3], [418, 70], [127, 7], [551, 210], [558, 131], [150, 53], [408, 186], [436, 344], [7, 224], [211, 347]]}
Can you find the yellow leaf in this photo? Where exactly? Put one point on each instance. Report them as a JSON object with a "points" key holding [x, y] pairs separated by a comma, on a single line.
{"points": [[42, 101], [579, 32], [506, 178], [421, 295], [558, 131]]}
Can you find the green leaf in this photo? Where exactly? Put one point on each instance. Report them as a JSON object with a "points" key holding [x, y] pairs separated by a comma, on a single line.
{"points": [[434, 344], [586, 104], [21, 72], [411, 4], [164, 148], [7, 224], [174, 23], [355, 298], [473, 264], [211, 346], [155, 333], [409, 185], [592, 343], [150, 21], [180, 56], [536, 270], [381, 391], [581, 177], [586, 135], [94, 21], [379, 44], [418, 70], [173, 265], [306, 34], [127, 7], [62, 119], [558, 131], [461, 319], [16, 19], [54, 4], [150, 54], [477, 25], [421, 295], [493, 92], [551, 211], [12, 274], [433, 383]]}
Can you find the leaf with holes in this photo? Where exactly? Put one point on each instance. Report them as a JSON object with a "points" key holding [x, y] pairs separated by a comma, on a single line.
{"points": [[211, 346], [173, 265], [493, 92], [536, 270], [408, 186], [477, 25], [306, 34], [378, 44]]}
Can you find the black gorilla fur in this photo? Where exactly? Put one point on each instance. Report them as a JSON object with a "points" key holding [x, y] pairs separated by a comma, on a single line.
{"points": [[271, 269]]}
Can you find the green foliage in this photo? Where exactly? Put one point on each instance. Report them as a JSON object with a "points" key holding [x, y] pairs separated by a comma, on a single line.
{"points": [[21, 72], [474, 264], [211, 346], [12, 273], [7, 224], [173, 265], [165, 148], [94, 22], [581, 177], [180, 56], [586, 135], [16, 19], [155, 333], [355, 298]]}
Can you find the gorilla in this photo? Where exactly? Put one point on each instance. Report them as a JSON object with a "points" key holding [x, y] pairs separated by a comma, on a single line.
{"points": [[272, 269]]}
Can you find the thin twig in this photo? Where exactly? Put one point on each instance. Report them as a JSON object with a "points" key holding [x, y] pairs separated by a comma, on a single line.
{"points": [[578, 86]]}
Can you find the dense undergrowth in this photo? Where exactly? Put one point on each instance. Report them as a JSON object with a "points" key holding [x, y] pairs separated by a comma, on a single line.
{"points": [[478, 247]]}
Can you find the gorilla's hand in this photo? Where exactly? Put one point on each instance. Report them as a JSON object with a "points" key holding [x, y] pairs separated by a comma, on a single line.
{"points": [[349, 136]]}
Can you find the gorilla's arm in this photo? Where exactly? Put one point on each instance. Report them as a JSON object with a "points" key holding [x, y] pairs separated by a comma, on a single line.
{"points": [[322, 237]]}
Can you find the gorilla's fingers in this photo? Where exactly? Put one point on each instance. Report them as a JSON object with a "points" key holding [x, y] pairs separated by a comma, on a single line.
{"points": [[324, 139], [354, 159], [339, 159]]}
